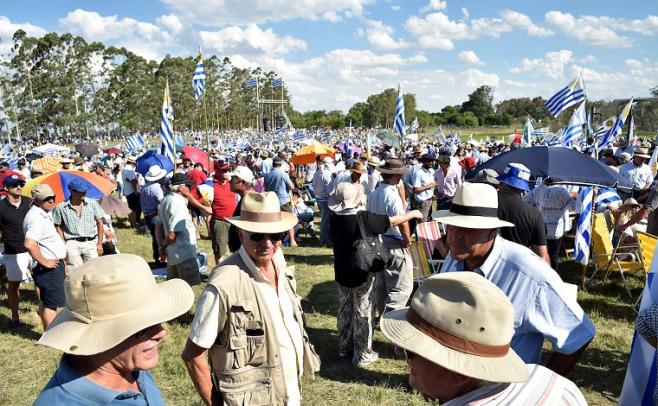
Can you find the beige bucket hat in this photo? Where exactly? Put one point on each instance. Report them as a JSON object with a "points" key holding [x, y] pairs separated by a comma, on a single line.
{"points": [[110, 298], [475, 205], [462, 322], [261, 213], [347, 196]]}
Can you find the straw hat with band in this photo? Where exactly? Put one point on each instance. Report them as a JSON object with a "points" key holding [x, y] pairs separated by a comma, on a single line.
{"points": [[374, 161], [347, 196], [155, 173], [393, 166], [261, 213], [462, 322], [475, 205], [358, 167], [110, 298], [642, 153]]}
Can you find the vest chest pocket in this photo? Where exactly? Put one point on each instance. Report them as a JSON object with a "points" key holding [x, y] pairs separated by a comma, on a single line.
{"points": [[246, 343]]}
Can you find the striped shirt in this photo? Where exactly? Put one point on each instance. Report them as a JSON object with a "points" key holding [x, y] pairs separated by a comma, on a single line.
{"points": [[76, 225], [553, 202], [543, 388]]}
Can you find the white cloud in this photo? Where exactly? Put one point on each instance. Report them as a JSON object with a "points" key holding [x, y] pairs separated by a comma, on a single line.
{"points": [[171, 23], [379, 36], [145, 39], [7, 30], [469, 57], [434, 5], [220, 13], [249, 40], [589, 30], [521, 20], [553, 65]]}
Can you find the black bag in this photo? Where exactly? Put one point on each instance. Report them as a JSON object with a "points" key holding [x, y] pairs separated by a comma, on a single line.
{"points": [[368, 252]]}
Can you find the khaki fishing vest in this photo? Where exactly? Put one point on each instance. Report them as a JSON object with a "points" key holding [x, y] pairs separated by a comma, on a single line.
{"points": [[244, 359]]}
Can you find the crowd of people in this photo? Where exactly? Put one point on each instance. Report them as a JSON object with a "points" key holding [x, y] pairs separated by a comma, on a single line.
{"points": [[471, 334]]}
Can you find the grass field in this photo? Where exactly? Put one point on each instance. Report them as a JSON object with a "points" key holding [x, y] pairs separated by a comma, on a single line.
{"points": [[26, 368]]}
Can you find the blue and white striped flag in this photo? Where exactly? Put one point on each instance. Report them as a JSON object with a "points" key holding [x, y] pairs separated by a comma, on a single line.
{"points": [[605, 197], [583, 232], [541, 133], [640, 380], [413, 127], [399, 114], [251, 82], [134, 142], [326, 136], [277, 82], [574, 130], [199, 78], [298, 136], [179, 141], [608, 138], [167, 148], [566, 97], [631, 131]]}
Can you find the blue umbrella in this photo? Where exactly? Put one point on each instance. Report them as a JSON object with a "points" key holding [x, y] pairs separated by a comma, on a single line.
{"points": [[151, 158], [562, 165]]}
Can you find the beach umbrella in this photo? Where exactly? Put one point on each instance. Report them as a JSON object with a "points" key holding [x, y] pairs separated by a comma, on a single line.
{"points": [[562, 165], [113, 150], [86, 149], [113, 205], [99, 187], [49, 164], [197, 155], [150, 158], [307, 154]]}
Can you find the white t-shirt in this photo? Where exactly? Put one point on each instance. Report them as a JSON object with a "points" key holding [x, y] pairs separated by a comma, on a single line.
{"points": [[128, 175]]}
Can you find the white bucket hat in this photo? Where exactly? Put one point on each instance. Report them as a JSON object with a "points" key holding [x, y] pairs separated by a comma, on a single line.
{"points": [[155, 173], [462, 322], [110, 298], [261, 213], [475, 205]]}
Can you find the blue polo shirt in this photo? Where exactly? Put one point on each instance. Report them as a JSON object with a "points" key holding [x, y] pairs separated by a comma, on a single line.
{"points": [[68, 387], [277, 181]]}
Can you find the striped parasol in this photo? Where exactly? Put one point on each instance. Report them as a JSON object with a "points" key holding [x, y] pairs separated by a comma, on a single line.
{"points": [[99, 187]]}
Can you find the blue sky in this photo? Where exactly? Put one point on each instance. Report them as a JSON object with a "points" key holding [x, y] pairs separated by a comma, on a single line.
{"points": [[332, 54]]}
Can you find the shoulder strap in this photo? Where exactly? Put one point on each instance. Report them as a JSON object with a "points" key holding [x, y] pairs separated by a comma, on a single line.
{"points": [[360, 218]]}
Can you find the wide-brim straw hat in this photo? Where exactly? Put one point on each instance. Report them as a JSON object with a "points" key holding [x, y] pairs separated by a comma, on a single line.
{"points": [[110, 298], [475, 205], [358, 167], [642, 152], [393, 166], [462, 322], [347, 196], [261, 213], [155, 173]]}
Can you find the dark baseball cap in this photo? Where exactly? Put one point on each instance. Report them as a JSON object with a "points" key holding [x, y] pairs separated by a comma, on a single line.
{"points": [[181, 179], [13, 180]]}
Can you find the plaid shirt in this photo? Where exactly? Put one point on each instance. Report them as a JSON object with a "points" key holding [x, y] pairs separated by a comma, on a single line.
{"points": [[74, 225], [553, 202]]}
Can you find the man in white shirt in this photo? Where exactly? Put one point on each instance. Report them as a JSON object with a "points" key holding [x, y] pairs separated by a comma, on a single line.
{"points": [[423, 187], [637, 172]]}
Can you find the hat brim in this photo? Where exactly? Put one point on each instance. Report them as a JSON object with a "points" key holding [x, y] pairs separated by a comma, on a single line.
{"points": [[514, 182], [288, 221], [401, 171], [477, 222], [642, 156], [73, 336], [508, 368], [155, 177]]}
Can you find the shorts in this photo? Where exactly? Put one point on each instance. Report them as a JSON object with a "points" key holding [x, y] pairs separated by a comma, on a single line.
{"points": [[133, 202], [51, 285], [219, 237], [18, 266], [187, 270]]}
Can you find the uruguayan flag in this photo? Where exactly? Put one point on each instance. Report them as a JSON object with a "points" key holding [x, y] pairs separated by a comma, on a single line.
{"points": [[631, 131], [298, 136], [251, 82], [413, 127], [178, 140], [326, 136], [541, 132], [604, 127], [583, 232], [134, 142], [574, 130], [199, 78], [167, 147], [608, 138], [605, 197], [399, 114], [640, 380], [277, 82], [566, 97]]}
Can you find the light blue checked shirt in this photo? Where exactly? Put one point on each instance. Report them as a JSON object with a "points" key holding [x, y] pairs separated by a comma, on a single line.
{"points": [[554, 204], [543, 305], [386, 200]]}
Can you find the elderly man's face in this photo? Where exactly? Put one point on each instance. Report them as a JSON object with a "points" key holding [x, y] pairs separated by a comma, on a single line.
{"points": [[139, 351], [435, 382], [638, 160], [262, 251], [469, 243]]}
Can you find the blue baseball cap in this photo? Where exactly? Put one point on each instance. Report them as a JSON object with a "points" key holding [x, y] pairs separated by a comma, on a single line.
{"points": [[13, 180], [79, 186], [516, 175]]}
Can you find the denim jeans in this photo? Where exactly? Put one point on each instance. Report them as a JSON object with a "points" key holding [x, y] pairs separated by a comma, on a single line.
{"points": [[325, 225], [150, 223]]}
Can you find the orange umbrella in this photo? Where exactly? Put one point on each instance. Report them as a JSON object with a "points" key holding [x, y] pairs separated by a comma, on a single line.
{"points": [[307, 154], [59, 181]]}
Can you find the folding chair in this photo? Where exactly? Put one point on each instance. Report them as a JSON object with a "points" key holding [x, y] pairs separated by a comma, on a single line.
{"points": [[608, 258], [429, 233], [647, 245], [422, 266]]}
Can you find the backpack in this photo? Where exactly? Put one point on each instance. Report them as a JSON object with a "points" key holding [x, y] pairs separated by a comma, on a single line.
{"points": [[368, 252]]}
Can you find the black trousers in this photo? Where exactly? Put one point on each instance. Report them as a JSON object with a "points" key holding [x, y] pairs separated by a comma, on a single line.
{"points": [[554, 247]]}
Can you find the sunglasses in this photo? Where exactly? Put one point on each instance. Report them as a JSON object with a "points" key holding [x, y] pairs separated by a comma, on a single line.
{"points": [[257, 237], [49, 199], [17, 185], [146, 332]]}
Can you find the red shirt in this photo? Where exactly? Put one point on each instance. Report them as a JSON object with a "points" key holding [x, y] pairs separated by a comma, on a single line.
{"points": [[198, 177], [224, 201]]}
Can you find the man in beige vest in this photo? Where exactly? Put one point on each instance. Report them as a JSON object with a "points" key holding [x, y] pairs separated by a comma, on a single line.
{"points": [[249, 318]]}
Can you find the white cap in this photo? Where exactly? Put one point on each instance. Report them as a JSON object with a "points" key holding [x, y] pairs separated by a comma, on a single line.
{"points": [[243, 173]]}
